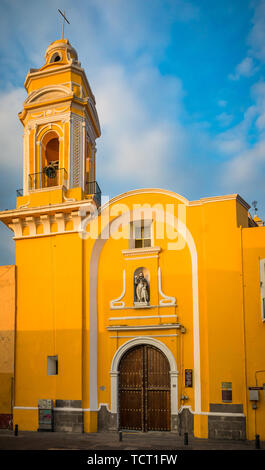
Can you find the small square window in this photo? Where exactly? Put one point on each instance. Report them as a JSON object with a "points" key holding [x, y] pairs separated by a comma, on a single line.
{"points": [[227, 392], [142, 234], [52, 365]]}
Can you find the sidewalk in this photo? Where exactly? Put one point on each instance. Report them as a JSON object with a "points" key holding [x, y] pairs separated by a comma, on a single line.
{"points": [[26, 440]]}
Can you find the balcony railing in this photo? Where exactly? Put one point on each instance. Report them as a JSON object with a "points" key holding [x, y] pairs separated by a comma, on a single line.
{"points": [[93, 188], [48, 178]]}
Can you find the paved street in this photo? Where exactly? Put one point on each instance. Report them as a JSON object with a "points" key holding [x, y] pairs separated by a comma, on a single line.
{"points": [[111, 441]]}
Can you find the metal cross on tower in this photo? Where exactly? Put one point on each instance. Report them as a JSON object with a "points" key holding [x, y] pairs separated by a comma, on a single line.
{"points": [[64, 19]]}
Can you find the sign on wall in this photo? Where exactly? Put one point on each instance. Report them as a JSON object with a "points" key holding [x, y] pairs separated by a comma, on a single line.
{"points": [[188, 378]]}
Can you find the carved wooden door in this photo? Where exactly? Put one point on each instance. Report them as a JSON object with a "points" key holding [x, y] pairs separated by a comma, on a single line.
{"points": [[144, 390]]}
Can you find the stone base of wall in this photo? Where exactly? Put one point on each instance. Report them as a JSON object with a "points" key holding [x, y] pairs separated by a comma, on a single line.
{"points": [[70, 417], [226, 427], [174, 423], [107, 421], [185, 422]]}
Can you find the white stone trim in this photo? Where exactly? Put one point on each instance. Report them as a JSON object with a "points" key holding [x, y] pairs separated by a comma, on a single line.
{"points": [[141, 257], [136, 192], [45, 130], [114, 371], [60, 219], [141, 317], [64, 92], [31, 223], [164, 326], [141, 251], [51, 234], [76, 155], [183, 200], [202, 413], [45, 219], [150, 336], [48, 119], [210, 413], [16, 226], [25, 408], [114, 302]]}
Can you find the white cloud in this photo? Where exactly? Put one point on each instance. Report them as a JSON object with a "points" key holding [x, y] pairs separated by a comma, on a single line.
{"points": [[246, 68], [245, 167], [246, 170], [11, 130], [138, 141], [256, 37], [222, 103], [256, 44], [225, 119]]}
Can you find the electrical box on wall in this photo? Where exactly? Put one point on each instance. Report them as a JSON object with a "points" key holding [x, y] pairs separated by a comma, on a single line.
{"points": [[253, 395]]}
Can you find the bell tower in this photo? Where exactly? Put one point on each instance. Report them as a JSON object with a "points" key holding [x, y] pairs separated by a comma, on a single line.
{"points": [[59, 186], [60, 130]]}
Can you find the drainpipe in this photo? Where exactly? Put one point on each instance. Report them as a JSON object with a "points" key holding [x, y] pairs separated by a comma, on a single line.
{"points": [[244, 326]]}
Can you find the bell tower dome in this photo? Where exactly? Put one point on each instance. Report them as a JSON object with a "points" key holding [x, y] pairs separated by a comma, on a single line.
{"points": [[61, 126]]}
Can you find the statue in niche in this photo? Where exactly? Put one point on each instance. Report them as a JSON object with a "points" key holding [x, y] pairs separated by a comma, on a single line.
{"points": [[141, 289]]}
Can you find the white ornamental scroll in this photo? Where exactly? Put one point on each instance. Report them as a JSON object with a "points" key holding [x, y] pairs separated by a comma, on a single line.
{"points": [[166, 300]]}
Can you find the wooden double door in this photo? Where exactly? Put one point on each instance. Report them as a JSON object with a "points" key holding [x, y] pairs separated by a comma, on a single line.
{"points": [[144, 390]]}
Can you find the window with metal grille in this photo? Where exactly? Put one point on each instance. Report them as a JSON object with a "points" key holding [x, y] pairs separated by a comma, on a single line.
{"points": [[52, 365], [226, 388]]}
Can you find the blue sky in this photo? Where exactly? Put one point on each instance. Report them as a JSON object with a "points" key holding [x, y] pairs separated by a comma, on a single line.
{"points": [[179, 86]]}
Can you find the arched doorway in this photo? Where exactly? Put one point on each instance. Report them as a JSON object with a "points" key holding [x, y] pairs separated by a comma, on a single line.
{"points": [[144, 390]]}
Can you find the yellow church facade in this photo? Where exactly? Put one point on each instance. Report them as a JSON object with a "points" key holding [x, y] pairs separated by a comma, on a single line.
{"points": [[145, 312]]}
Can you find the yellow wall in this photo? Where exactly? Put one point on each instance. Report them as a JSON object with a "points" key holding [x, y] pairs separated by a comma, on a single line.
{"points": [[7, 337], [49, 321], [220, 260], [254, 334]]}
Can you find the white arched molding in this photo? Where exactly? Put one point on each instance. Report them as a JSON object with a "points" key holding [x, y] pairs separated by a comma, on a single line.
{"points": [[94, 260], [114, 372]]}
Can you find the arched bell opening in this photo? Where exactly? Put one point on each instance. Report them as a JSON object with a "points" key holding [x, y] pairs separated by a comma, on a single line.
{"points": [[50, 159]]}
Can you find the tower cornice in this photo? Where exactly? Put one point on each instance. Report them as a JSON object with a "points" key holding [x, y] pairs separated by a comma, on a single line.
{"points": [[58, 70]]}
